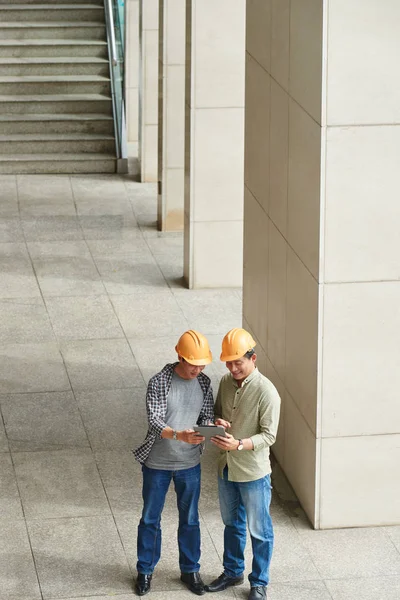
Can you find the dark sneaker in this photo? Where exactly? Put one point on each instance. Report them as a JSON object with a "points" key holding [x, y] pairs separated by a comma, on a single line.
{"points": [[222, 582], [258, 593], [194, 583]]}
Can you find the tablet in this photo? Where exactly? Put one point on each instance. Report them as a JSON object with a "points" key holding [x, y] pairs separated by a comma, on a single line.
{"points": [[209, 431]]}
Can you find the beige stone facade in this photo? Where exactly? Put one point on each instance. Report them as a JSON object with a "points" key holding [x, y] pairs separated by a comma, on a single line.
{"points": [[314, 220]]}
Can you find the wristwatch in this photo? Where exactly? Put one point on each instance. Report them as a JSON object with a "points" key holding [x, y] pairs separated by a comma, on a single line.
{"points": [[174, 435], [240, 447]]}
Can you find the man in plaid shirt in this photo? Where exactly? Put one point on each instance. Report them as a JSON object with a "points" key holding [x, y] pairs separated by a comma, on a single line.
{"points": [[178, 397]]}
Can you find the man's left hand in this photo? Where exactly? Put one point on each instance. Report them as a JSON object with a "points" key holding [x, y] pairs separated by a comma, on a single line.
{"points": [[190, 436], [225, 443]]}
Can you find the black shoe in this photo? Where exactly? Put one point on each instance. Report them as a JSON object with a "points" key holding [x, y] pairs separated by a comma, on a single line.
{"points": [[222, 582], [143, 584], [258, 593], [194, 583]]}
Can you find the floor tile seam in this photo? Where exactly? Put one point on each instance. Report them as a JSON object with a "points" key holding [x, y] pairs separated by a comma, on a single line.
{"points": [[74, 396], [63, 340], [162, 272], [26, 524], [170, 288], [117, 389], [105, 512], [64, 297], [125, 551], [76, 391], [79, 390], [21, 301], [113, 307], [85, 240], [210, 536], [43, 519], [109, 262], [51, 391], [99, 596], [121, 179], [59, 341], [113, 516], [138, 197], [98, 513], [74, 199], [46, 450], [65, 448], [18, 197], [397, 548], [128, 192], [140, 294], [42, 295], [307, 551], [126, 338], [62, 392], [303, 580], [328, 591], [296, 582], [5, 430], [363, 578]]}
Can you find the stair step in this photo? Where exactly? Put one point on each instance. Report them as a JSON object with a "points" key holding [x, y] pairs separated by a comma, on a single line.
{"points": [[50, 12], [53, 48], [62, 123], [58, 163], [53, 66], [53, 30], [56, 104], [51, 2], [55, 91], [61, 84], [57, 143]]}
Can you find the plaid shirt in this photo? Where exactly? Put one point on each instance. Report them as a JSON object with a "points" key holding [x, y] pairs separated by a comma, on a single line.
{"points": [[156, 404]]}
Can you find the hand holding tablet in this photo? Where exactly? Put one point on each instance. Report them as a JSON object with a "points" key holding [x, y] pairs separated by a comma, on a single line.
{"points": [[209, 431]]}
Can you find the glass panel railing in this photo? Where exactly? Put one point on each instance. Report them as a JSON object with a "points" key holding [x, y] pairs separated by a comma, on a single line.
{"points": [[115, 23], [120, 17]]}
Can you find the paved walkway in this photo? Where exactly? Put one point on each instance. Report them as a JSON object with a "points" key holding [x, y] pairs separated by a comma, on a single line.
{"points": [[91, 305]]}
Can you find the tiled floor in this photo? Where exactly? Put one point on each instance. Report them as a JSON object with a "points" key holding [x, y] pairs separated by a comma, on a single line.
{"points": [[91, 305]]}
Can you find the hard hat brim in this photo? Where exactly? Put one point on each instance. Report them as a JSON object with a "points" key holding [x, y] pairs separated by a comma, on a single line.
{"points": [[198, 362], [230, 358]]}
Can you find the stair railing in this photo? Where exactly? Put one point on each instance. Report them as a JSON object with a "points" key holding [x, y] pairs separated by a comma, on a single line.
{"points": [[115, 42]]}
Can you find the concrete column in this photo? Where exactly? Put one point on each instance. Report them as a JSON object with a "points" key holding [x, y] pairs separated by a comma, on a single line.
{"points": [[132, 74], [171, 116], [321, 247], [148, 89], [214, 135]]}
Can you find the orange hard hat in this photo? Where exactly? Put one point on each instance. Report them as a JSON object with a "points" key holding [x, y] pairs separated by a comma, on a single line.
{"points": [[194, 348], [235, 344]]}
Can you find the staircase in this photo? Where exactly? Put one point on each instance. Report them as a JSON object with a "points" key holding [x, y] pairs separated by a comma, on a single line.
{"points": [[55, 92]]}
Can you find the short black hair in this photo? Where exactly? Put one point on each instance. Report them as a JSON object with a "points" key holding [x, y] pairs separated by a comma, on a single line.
{"points": [[249, 353]]}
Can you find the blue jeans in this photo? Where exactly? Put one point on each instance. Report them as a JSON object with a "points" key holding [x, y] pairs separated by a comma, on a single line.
{"points": [[239, 500], [155, 487]]}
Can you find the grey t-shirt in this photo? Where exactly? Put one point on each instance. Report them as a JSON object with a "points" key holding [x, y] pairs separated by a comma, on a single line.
{"points": [[184, 403]]}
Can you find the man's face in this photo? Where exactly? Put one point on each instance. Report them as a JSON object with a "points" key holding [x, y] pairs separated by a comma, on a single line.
{"points": [[240, 369], [188, 371]]}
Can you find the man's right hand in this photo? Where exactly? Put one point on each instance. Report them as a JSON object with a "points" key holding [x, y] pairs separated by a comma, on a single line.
{"points": [[190, 436], [222, 422]]}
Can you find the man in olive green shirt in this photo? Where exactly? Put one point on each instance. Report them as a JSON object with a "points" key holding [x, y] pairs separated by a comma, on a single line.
{"points": [[248, 405]]}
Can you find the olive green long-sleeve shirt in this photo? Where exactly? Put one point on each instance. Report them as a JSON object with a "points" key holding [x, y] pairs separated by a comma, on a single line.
{"points": [[253, 411]]}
